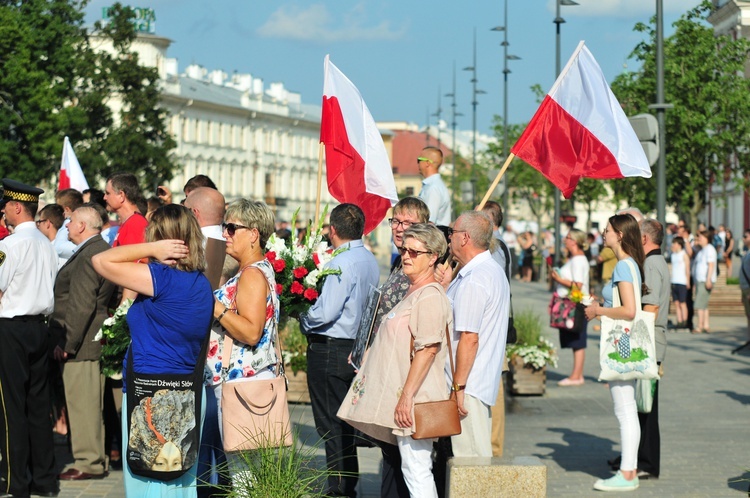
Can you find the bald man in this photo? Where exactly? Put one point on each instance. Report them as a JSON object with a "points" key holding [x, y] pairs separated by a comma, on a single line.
{"points": [[434, 192], [207, 204]]}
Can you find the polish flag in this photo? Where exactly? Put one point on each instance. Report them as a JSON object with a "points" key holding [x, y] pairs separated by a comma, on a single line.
{"points": [[581, 131], [357, 165], [71, 174]]}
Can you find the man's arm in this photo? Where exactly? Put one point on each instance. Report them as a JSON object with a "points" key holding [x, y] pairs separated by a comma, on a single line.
{"points": [[327, 309], [81, 307], [466, 352]]}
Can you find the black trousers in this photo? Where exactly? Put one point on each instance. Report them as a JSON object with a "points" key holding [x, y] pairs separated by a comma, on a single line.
{"points": [[392, 483], [25, 407], [328, 379], [649, 449]]}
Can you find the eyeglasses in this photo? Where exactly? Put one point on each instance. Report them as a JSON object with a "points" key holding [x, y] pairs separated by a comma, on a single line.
{"points": [[452, 231], [413, 253], [420, 159], [40, 221], [394, 223], [231, 228]]}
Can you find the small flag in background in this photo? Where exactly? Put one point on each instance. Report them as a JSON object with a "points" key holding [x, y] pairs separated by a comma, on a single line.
{"points": [[581, 131], [357, 165], [71, 174]]}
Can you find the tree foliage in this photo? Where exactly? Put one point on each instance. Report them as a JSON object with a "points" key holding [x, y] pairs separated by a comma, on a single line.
{"points": [[708, 131], [52, 84]]}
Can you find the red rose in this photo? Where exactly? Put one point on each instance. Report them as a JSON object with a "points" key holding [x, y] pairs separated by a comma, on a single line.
{"points": [[271, 256], [300, 272], [279, 265], [279, 289], [311, 294], [316, 259], [297, 288]]}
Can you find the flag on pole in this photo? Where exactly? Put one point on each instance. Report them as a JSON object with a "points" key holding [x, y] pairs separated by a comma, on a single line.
{"points": [[581, 131], [71, 174], [357, 164]]}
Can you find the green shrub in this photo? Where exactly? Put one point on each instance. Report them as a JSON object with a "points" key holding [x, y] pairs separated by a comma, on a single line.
{"points": [[733, 281]]}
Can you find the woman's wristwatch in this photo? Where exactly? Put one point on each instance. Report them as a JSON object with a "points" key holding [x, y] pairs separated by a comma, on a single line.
{"points": [[458, 387]]}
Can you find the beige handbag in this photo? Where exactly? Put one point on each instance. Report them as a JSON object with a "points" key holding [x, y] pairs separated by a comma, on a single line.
{"points": [[255, 413], [434, 419]]}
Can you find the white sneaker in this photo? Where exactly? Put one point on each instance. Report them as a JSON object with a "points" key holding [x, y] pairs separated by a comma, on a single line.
{"points": [[616, 483]]}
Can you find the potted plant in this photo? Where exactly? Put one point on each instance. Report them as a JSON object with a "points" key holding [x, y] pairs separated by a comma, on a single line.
{"points": [[294, 351], [529, 356]]}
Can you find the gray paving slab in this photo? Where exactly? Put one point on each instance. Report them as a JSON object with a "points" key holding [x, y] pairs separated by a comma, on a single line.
{"points": [[704, 412]]}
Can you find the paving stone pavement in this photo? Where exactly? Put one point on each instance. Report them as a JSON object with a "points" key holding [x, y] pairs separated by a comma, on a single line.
{"points": [[704, 405]]}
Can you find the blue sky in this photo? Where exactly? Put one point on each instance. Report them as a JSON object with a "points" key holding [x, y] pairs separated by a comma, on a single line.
{"points": [[399, 53]]}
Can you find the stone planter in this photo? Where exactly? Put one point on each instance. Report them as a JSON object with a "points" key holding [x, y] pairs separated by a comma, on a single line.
{"points": [[298, 392], [524, 380]]}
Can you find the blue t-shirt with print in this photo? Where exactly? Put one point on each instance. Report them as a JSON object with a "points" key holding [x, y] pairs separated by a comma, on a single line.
{"points": [[622, 273], [168, 328]]}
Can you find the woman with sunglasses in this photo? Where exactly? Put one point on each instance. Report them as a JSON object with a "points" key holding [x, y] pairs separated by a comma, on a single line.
{"points": [[574, 272], [246, 307], [405, 364], [623, 236]]}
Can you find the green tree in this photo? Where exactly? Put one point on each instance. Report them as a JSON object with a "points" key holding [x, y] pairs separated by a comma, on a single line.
{"points": [[708, 131], [139, 142], [44, 95]]}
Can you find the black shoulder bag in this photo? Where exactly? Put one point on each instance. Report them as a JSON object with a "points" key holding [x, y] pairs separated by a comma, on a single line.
{"points": [[164, 417], [512, 336]]}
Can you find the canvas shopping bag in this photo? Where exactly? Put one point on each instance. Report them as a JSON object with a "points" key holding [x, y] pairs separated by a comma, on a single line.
{"points": [[627, 349]]}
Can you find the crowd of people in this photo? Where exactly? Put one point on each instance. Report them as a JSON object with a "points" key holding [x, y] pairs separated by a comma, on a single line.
{"points": [[439, 332]]}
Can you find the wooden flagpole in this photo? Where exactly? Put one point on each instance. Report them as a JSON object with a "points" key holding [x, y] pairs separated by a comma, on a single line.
{"points": [[479, 207], [495, 182], [321, 147]]}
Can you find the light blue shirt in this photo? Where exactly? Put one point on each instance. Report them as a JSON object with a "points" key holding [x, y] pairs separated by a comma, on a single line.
{"points": [[435, 194], [64, 247], [621, 273], [339, 308]]}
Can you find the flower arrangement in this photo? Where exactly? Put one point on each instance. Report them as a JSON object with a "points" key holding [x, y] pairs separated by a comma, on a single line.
{"points": [[115, 339], [300, 269], [575, 293], [530, 346]]}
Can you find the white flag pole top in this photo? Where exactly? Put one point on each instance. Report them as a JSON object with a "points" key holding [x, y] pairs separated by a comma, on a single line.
{"points": [[71, 174]]}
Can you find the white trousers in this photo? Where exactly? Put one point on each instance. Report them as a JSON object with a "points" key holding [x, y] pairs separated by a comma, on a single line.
{"points": [[416, 464], [475, 439], [626, 411]]}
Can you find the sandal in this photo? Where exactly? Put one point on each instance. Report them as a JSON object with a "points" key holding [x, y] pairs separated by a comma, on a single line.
{"points": [[697, 331]]}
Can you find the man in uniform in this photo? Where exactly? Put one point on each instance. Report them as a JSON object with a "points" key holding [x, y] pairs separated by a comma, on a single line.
{"points": [[28, 265]]}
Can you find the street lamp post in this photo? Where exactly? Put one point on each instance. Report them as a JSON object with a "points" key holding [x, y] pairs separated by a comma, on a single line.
{"points": [[454, 115], [506, 72], [474, 93], [558, 21]]}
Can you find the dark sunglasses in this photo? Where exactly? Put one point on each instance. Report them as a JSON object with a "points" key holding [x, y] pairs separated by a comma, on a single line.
{"points": [[423, 159], [231, 228], [452, 231], [413, 253], [38, 222]]}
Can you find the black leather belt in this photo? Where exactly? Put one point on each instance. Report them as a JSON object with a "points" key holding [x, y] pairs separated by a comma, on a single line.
{"points": [[26, 318], [324, 339]]}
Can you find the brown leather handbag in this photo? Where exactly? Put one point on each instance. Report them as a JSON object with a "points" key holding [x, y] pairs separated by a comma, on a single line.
{"points": [[434, 419]]}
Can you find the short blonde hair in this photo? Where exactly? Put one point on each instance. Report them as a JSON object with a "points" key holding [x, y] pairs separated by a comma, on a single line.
{"points": [[580, 238], [253, 214], [174, 221], [429, 235]]}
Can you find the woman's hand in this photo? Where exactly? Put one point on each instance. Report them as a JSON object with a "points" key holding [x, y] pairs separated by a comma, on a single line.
{"points": [[443, 274], [592, 310], [402, 414], [169, 251]]}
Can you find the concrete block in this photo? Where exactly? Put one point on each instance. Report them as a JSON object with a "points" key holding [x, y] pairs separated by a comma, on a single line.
{"points": [[496, 477]]}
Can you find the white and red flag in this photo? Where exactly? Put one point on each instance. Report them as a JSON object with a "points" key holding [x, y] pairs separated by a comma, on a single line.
{"points": [[71, 174], [357, 165], [581, 131]]}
